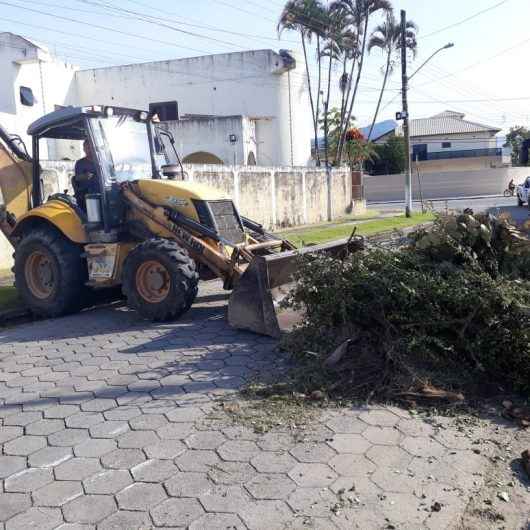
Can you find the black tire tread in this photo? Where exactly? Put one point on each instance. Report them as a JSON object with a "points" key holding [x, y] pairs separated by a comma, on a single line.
{"points": [[72, 270], [184, 281]]}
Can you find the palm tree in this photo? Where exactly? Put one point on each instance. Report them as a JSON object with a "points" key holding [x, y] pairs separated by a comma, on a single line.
{"points": [[387, 38], [333, 52], [307, 18], [360, 12]]}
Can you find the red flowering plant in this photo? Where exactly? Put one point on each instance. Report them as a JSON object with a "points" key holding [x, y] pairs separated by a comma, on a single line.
{"points": [[358, 149]]}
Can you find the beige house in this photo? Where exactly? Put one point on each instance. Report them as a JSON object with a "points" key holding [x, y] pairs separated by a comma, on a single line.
{"points": [[448, 142]]}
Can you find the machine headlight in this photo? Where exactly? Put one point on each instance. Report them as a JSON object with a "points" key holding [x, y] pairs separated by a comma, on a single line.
{"points": [[109, 111], [143, 115]]}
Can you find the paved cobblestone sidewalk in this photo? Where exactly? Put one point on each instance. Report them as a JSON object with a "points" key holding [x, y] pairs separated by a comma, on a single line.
{"points": [[106, 421]]}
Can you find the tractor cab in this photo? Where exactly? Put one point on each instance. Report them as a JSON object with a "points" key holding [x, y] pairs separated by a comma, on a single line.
{"points": [[123, 144]]}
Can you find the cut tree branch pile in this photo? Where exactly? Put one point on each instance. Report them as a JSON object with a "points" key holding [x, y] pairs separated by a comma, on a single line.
{"points": [[447, 315]]}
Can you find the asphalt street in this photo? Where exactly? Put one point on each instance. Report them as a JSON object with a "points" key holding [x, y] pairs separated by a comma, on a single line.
{"points": [[492, 204]]}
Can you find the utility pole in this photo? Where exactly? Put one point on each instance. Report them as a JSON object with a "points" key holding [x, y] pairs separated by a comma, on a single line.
{"points": [[406, 129]]}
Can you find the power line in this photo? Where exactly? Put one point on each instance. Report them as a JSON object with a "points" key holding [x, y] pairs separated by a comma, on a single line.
{"points": [[105, 28], [463, 21]]}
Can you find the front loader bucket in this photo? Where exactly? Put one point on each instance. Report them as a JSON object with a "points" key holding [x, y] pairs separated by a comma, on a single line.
{"points": [[254, 302]]}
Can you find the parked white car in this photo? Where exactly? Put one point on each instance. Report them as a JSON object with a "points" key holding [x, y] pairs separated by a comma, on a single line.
{"points": [[523, 191]]}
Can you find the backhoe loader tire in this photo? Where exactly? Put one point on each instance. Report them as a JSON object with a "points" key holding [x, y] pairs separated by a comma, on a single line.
{"points": [[160, 280], [50, 273]]}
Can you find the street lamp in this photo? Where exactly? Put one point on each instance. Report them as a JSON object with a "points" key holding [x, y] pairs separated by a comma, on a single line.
{"points": [[446, 47], [405, 114]]}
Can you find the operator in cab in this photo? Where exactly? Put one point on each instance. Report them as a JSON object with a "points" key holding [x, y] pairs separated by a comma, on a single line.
{"points": [[85, 180]]}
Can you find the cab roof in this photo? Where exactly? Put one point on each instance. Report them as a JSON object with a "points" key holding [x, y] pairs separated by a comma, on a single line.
{"points": [[68, 122]]}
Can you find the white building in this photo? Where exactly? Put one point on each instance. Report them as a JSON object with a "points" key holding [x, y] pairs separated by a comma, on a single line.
{"points": [[32, 83], [448, 142], [264, 89]]}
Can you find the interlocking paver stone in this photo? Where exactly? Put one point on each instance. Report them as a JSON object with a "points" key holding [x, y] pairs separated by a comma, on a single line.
{"points": [[269, 462], [351, 465], [140, 496], [380, 418], [185, 414], [390, 457], [176, 512], [312, 475], [205, 440], [58, 493], [154, 471], [89, 509], [313, 502], [36, 518], [61, 411], [231, 473], [95, 447], [349, 443], [312, 452], [107, 482], [196, 460], [109, 429], [124, 520], [13, 503], [264, 515], [148, 422], [68, 437], [270, 486], [224, 499], [25, 445], [165, 449], [45, 427], [123, 458], [10, 433], [28, 480], [23, 418], [175, 431], [77, 469], [137, 439], [50, 456], [216, 521], [188, 484], [84, 420], [10, 465], [347, 425], [382, 435]]}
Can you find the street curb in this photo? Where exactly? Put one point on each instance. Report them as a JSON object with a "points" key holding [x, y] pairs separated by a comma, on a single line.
{"points": [[471, 197]]}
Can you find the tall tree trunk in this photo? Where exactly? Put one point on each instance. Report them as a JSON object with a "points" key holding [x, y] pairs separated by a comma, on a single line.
{"points": [[317, 157], [359, 71], [343, 125], [343, 89], [319, 85], [389, 56], [326, 116]]}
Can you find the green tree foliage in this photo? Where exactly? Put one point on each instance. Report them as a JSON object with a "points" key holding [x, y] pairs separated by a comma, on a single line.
{"points": [[390, 157], [334, 126], [514, 139]]}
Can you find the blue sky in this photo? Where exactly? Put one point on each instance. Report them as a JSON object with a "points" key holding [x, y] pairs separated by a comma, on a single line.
{"points": [[485, 75]]}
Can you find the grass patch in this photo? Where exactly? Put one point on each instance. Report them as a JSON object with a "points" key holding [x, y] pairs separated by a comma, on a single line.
{"points": [[323, 233], [8, 298]]}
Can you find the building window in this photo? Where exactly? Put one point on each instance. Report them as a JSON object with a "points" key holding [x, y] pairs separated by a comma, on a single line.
{"points": [[26, 96], [446, 145], [166, 110]]}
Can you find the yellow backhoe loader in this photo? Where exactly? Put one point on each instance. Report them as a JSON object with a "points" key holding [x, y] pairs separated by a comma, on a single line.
{"points": [[141, 226]]}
